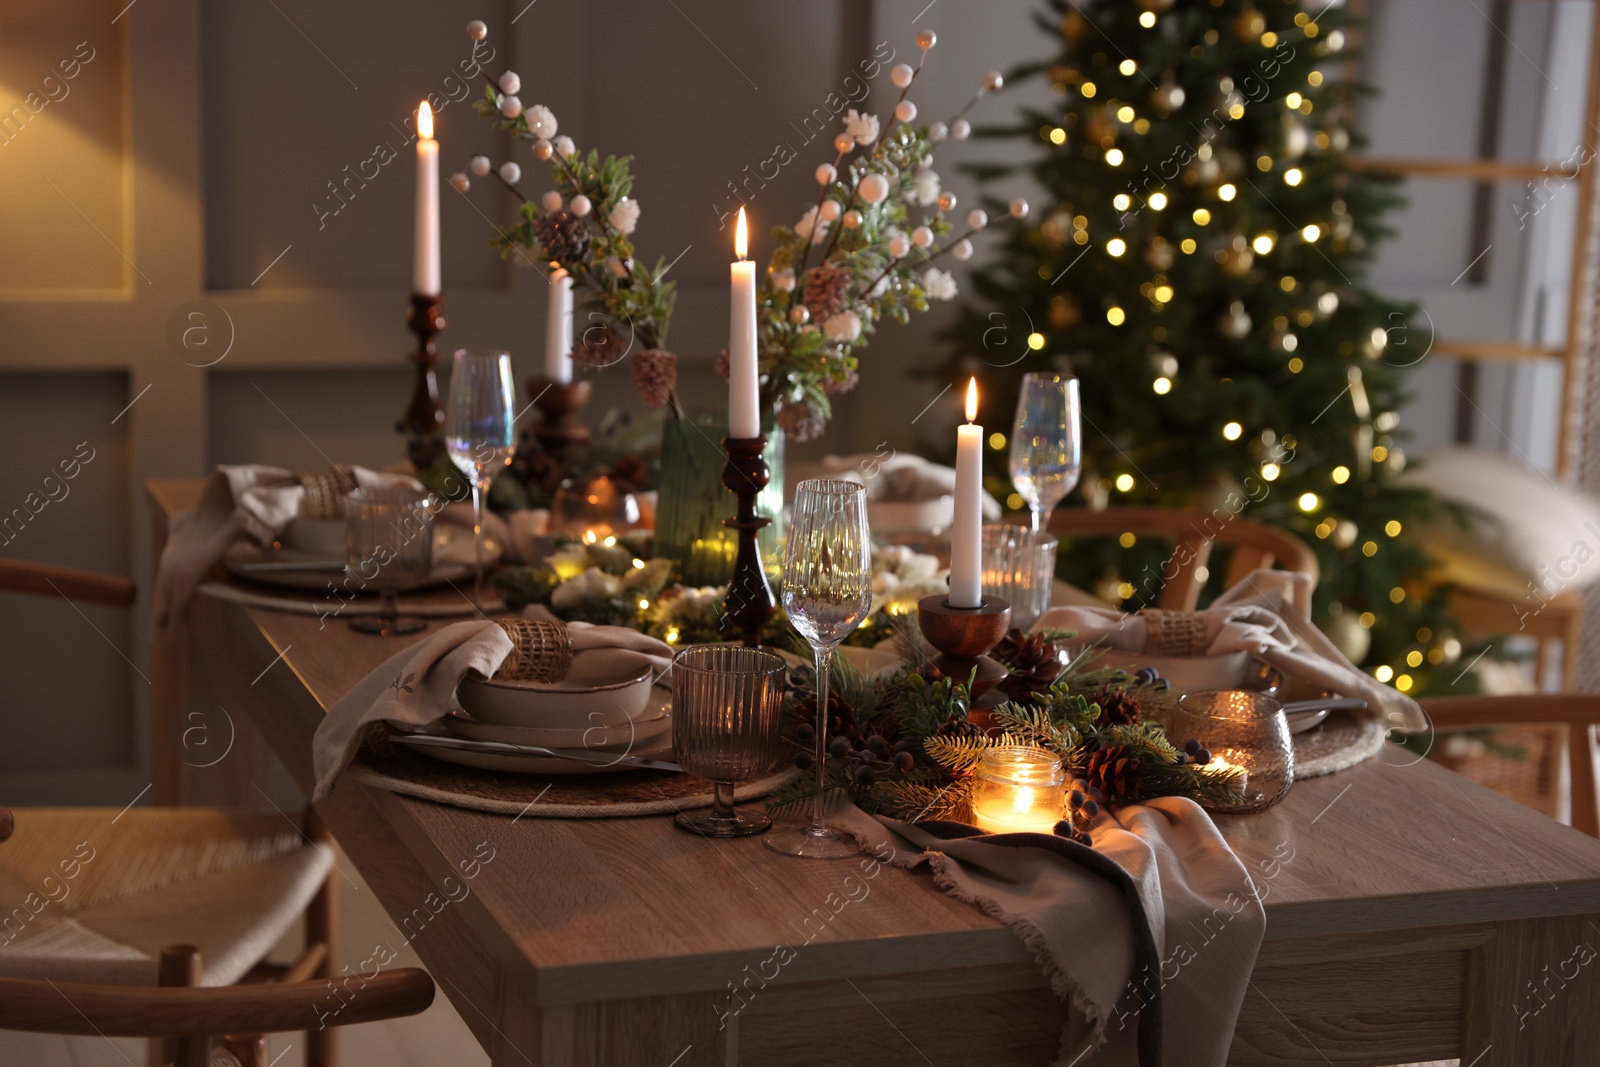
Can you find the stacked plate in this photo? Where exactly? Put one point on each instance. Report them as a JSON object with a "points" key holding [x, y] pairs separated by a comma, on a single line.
{"points": [[605, 716]]}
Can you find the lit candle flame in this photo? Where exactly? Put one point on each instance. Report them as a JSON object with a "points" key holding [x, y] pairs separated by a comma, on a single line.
{"points": [[972, 399], [425, 122], [741, 236]]}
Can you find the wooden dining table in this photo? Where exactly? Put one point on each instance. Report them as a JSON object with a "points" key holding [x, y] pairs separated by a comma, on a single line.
{"points": [[1411, 914]]}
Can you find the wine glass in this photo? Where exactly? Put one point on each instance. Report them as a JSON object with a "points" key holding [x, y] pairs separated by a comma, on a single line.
{"points": [[727, 706], [478, 433], [1046, 442], [827, 592], [388, 545]]}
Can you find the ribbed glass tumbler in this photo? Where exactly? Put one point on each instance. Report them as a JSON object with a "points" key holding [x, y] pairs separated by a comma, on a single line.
{"points": [[1019, 565], [727, 705]]}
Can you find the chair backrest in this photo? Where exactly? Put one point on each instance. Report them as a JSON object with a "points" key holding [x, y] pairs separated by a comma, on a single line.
{"points": [[1578, 713], [1192, 533], [45, 579]]}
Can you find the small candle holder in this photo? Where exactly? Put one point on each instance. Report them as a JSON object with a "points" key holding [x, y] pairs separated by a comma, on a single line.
{"points": [[559, 430], [1019, 789], [423, 420], [964, 637], [750, 602]]}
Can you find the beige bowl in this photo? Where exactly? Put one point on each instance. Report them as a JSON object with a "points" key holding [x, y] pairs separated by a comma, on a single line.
{"points": [[600, 690]]}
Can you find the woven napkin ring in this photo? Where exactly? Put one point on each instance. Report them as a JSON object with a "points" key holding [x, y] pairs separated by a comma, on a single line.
{"points": [[1174, 633], [541, 651], [324, 493]]}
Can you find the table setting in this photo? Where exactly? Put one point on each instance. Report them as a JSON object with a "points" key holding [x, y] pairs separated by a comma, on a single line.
{"points": [[579, 629]]}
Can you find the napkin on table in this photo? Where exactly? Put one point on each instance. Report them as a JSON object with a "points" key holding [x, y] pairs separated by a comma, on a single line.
{"points": [[1150, 936], [1269, 614], [253, 501], [416, 687], [902, 477]]}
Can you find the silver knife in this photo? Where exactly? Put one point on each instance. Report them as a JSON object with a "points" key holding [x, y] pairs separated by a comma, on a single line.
{"points": [[1325, 703], [592, 758]]}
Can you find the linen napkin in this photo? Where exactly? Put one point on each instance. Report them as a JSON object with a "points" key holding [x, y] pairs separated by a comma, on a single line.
{"points": [[247, 501], [416, 687], [901, 477], [1150, 936], [1269, 614]]}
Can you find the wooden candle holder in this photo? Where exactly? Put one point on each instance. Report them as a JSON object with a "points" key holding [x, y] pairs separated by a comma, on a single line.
{"points": [[964, 637], [559, 430], [750, 602], [423, 420]]}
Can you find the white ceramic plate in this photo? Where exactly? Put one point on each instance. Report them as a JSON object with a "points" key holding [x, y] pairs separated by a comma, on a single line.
{"points": [[606, 690], [452, 561], [649, 732]]}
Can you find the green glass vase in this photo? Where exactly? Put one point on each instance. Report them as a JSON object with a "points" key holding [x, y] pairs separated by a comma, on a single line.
{"points": [[692, 501]]}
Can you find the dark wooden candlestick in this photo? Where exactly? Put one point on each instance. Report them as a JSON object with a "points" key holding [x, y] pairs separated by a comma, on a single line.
{"points": [[964, 637], [559, 431], [750, 601], [423, 420]]}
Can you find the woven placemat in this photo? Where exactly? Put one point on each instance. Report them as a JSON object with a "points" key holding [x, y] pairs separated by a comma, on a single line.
{"points": [[1342, 740], [556, 796]]}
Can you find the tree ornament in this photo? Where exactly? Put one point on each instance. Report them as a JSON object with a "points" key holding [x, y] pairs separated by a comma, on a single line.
{"points": [[1159, 255], [799, 315], [1352, 639], [1018, 208], [1235, 324], [1168, 97]]}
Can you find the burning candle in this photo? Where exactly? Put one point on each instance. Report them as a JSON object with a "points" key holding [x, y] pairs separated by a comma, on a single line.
{"points": [[425, 250], [966, 533], [558, 328], [1019, 790], [744, 405]]}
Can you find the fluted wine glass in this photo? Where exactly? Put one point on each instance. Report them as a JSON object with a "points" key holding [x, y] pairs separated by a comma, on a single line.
{"points": [[478, 433], [1046, 442], [827, 592]]}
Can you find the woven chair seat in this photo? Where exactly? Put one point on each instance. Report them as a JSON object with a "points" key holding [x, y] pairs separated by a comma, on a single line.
{"points": [[94, 895]]}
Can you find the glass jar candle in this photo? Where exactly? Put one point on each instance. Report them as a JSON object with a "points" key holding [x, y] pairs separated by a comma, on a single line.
{"points": [[1019, 790]]}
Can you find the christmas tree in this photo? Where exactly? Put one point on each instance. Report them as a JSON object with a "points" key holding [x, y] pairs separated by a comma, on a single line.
{"points": [[1197, 263]]}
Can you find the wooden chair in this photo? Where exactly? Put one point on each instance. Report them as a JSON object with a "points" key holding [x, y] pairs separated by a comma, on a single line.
{"points": [[1576, 715], [1192, 533], [156, 922]]}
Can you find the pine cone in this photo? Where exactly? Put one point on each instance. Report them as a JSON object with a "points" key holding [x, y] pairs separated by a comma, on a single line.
{"points": [[599, 346], [827, 291], [959, 730], [800, 423], [841, 717], [562, 236], [1117, 772], [1034, 662], [630, 473], [1118, 707], [655, 376]]}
